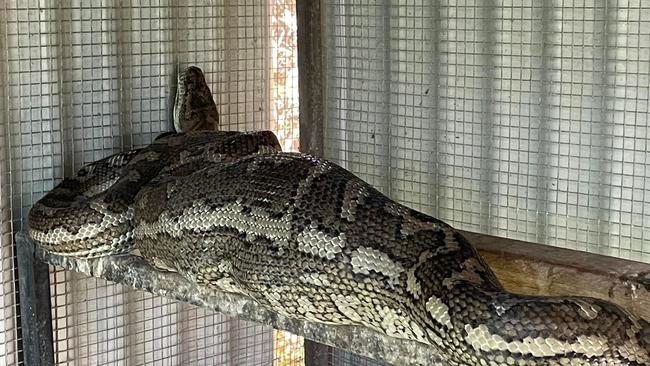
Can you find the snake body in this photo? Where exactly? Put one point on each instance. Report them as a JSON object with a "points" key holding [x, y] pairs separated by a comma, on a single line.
{"points": [[310, 240]]}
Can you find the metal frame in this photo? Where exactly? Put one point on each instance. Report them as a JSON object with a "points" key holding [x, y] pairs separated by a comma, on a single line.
{"points": [[36, 342], [311, 76], [317, 354]]}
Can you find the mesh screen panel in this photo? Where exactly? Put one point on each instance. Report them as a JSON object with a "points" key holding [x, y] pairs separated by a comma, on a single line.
{"points": [[518, 118], [80, 80]]}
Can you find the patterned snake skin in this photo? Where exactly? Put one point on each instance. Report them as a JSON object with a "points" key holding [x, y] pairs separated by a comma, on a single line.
{"points": [[194, 108], [308, 239]]}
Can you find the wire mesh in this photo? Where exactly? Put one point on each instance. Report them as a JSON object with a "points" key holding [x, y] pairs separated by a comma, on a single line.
{"points": [[82, 80], [100, 323], [517, 118]]}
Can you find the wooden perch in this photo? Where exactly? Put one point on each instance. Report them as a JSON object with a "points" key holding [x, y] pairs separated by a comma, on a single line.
{"points": [[535, 269]]}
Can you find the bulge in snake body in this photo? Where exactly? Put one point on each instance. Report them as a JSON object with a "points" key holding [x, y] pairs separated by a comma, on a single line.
{"points": [[308, 239], [91, 214]]}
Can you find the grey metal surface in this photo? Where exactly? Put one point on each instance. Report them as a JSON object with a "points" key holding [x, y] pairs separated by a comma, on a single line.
{"points": [[317, 354], [135, 272], [312, 77], [35, 310]]}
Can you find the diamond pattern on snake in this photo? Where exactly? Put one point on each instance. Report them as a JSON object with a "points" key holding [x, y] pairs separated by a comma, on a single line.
{"points": [[310, 240]]}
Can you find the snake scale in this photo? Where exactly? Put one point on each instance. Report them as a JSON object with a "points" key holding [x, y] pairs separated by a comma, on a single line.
{"points": [[308, 239]]}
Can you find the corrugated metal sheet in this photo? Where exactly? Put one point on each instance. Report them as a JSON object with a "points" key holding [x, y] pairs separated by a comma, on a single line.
{"points": [[524, 119]]}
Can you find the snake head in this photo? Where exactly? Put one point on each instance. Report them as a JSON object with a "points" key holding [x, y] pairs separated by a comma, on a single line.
{"points": [[194, 108], [191, 77]]}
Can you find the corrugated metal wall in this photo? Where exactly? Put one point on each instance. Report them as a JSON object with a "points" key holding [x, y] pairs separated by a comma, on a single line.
{"points": [[80, 80], [518, 118]]}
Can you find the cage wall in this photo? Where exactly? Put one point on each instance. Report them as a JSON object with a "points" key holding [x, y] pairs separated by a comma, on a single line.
{"points": [[518, 118], [80, 80]]}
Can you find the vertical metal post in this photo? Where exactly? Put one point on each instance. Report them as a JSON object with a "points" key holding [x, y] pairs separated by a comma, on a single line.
{"points": [[35, 307], [317, 354], [311, 80], [311, 93]]}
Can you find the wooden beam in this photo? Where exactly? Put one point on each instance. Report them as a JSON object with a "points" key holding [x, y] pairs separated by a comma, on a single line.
{"points": [[534, 269]]}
